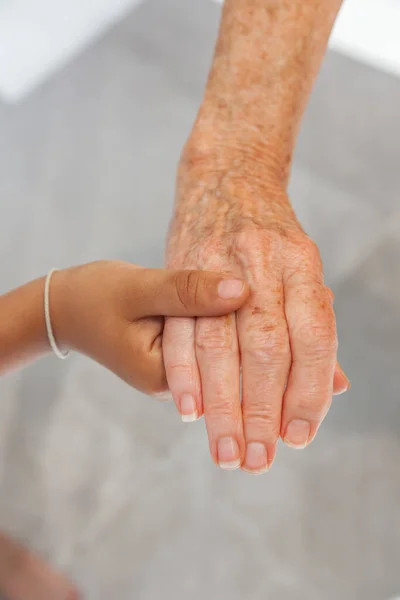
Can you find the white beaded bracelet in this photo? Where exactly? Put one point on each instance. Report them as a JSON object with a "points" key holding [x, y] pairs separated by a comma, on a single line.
{"points": [[50, 334]]}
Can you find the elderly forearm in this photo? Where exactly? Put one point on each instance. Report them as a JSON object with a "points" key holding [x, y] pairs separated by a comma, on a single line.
{"points": [[266, 60]]}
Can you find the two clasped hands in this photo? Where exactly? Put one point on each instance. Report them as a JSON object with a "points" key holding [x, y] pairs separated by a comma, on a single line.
{"points": [[251, 343]]}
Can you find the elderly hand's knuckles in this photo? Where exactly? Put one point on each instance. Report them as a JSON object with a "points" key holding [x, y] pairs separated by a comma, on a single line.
{"points": [[263, 417], [267, 343], [222, 410], [313, 408], [216, 335], [316, 338]]}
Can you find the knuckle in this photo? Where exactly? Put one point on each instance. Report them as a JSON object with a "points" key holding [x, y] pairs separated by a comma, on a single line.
{"points": [[177, 331], [265, 418], [306, 263], [317, 338], [272, 345], [311, 248], [246, 239], [178, 369], [308, 251], [269, 353], [188, 285], [222, 410], [216, 335], [255, 241], [193, 286], [315, 408]]}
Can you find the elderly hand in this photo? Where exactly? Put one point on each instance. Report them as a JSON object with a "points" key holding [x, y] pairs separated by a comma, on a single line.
{"points": [[230, 218]]}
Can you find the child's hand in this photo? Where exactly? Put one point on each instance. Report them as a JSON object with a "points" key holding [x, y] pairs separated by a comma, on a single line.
{"points": [[114, 313]]}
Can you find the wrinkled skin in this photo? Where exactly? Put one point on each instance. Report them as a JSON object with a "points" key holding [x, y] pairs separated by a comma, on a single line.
{"points": [[284, 338]]}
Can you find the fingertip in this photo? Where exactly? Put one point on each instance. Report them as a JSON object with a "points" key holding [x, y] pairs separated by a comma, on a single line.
{"points": [[341, 383], [342, 390]]}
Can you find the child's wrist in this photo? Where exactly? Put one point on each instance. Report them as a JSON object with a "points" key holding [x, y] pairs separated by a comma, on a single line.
{"points": [[60, 313]]}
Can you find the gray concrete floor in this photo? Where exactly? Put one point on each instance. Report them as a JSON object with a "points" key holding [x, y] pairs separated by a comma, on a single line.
{"points": [[110, 485]]}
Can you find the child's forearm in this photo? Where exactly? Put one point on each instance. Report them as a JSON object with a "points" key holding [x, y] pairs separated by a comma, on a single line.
{"points": [[23, 335]]}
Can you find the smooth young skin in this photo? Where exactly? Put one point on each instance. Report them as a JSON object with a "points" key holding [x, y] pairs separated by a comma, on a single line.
{"points": [[233, 214], [113, 312]]}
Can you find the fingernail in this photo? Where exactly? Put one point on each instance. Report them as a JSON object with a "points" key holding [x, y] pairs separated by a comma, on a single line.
{"points": [[344, 390], [256, 460], [188, 408], [297, 434], [230, 288], [341, 392], [228, 454]]}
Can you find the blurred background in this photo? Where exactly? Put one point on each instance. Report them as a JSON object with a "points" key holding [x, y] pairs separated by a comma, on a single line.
{"points": [[96, 100]]}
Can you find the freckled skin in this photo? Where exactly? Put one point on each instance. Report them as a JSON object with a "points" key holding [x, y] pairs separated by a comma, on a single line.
{"points": [[232, 213]]}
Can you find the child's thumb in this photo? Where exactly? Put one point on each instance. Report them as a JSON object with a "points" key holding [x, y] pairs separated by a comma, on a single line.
{"points": [[191, 293]]}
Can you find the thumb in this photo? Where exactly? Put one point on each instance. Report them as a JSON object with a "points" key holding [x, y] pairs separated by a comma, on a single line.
{"points": [[190, 293]]}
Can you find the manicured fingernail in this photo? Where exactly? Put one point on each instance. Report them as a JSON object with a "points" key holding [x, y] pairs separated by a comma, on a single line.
{"points": [[228, 454], [344, 390], [230, 288], [188, 408], [297, 434], [340, 392], [256, 460]]}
